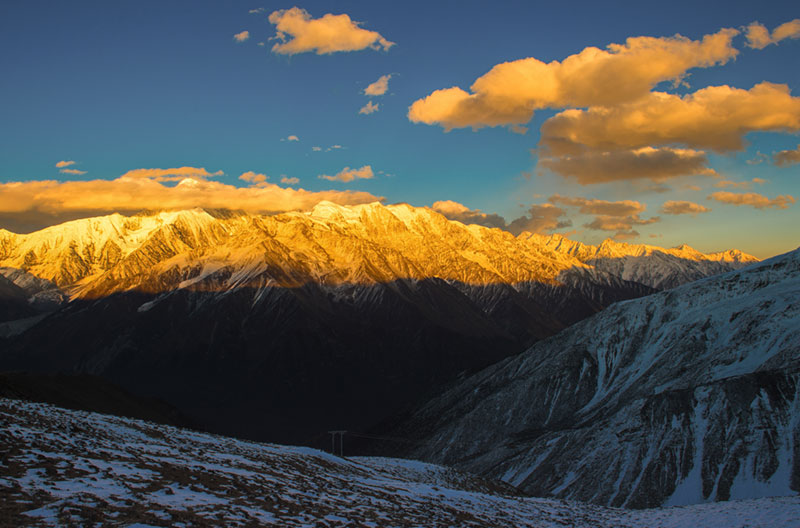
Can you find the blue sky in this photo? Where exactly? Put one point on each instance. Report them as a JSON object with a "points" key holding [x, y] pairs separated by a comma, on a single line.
{"points": [[119, 86]]}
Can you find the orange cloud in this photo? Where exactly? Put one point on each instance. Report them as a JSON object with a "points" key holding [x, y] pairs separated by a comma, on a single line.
{"points": [[290, 181], [33, 203], [176, 174], [600, 207], [368, 108], [590, 167], [379, 87], [241, 37], [784, 158], [325, 35], [465, 215], [756, 200], [738, 185], [758, 36], [347, 174], [254, 178], [717, 117], [62, 164], [674, 207], [620, 224], [72, 171], [540, 218], [510, 92]]}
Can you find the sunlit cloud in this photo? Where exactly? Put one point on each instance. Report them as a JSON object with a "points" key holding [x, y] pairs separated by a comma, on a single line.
{"points": [[540, 218], [64, 163], [738, 185], [679, 207], [784, 158], [591, 167], [72, 171], [254, 178], [369, 108], [241, 37], [600, 207], [39, 203], [465, 215], [289, 181], [759, 158], [291, 138], [176, 174], [759, 37], [510, 92], [316, 149], [752, 199], [619, 223], [379, 87], [258, 10], [716, 117], [347, 174], [298, 32]]}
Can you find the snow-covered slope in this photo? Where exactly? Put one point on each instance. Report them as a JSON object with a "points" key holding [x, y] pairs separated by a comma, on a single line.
{"points": [[684, 396], [64, 467]]}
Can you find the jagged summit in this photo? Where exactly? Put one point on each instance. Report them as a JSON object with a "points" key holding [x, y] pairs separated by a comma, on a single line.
{"points": [[369, 242]]}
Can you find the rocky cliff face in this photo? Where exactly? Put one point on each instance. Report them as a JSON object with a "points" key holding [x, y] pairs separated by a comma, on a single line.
{"points": [[684, 396], [281, 327]]}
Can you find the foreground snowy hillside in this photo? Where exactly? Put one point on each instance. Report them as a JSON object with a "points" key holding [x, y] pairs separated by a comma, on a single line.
{"points": [[63, 467], [685, 396]]}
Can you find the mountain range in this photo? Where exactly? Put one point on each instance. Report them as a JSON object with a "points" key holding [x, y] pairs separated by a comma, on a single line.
{"points": [[279, 327]]}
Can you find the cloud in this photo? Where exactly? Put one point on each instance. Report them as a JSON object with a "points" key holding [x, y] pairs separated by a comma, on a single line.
{"points": [[673, 207], [784, 158], [716, 117], [241, 37], [316, 149], [619, 223], [176, 174], [35, 204], [600, 207], [291, 138], [368, 108], [618, 216], [758, 159], [72, 171], [379, 87], [510, 92], [756, 200], [258, 10], [465, 215], [290, 181], [257, 179], [738, 185], [347, 174], [590, 167], [758, 36], [328, 34], [540, 218], [62, 164]]}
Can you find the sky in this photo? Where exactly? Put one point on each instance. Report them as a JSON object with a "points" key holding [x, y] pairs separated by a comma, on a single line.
{"points": [[661, 124]]}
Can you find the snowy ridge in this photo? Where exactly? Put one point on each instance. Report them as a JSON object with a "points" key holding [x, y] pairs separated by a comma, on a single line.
{"points": [[331, 244], [684, 396], [65, 467]]}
